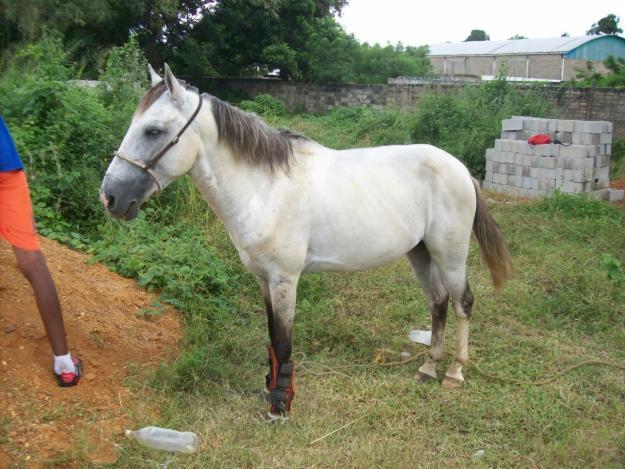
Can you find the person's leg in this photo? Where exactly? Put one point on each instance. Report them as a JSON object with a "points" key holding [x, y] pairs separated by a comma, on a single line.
{"points": [[33, 266], [17, 227]]}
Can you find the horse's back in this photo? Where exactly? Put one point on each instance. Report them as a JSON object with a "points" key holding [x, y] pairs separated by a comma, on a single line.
{"points": [[370, 206]]}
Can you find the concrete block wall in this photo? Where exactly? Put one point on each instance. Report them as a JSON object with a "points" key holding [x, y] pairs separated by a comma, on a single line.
{"points": [[578, 160], [590, 104]]}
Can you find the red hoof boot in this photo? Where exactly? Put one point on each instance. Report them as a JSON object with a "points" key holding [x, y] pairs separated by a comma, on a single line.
{"points": [[281, 387]]}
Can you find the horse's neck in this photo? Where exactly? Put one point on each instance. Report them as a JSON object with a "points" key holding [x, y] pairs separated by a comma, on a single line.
{"points": [[234, 189]]}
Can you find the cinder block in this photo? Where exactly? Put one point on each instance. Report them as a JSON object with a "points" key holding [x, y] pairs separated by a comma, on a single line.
{"points": [[498, 145], [526, 172], [565, 126], [595, 127], [508, 145], [570, 162], [509, 135], [564, 137], [489, 154], [537, 125], [579, 126], [522, 146], [574, 151], [575, 175], [589, 186], [552, 125], [495, 156], [572, 187], [499, 178], [507, 168], [550, 150], [615, 195], [603, 171], [546, 184], [529, 183], [512, 124], [607, 127], [602, 182], [605, 138], [544, 162], [578, 138], [593, 150], [489, 166], [486, 184], [601, 161], [591, 139]]}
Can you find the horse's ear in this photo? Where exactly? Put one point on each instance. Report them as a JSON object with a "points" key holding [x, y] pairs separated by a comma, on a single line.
{"points": [[155, 78], [173, 85]]}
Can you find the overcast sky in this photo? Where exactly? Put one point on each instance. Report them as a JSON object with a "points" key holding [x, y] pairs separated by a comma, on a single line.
{"points": [[415, 22]]}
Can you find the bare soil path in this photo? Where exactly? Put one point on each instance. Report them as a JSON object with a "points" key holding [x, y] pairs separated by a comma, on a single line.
{"points": [[42, 424]]}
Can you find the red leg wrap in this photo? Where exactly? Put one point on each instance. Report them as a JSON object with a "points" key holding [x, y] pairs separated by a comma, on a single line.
{"points": [[281, 384]]}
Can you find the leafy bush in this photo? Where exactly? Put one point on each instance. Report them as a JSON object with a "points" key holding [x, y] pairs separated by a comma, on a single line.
{"points": [[66, 132], [264, 104], [617, 165], [172, 258], [466, 123]]}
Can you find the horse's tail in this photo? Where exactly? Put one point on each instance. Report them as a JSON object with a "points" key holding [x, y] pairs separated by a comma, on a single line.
{"points": [[491, 241]]}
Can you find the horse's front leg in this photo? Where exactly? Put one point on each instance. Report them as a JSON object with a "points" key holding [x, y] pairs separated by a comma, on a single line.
{"points": [[281, 311]]}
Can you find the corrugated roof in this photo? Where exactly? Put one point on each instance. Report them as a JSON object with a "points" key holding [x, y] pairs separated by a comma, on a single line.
{"points": [[554, 45]]}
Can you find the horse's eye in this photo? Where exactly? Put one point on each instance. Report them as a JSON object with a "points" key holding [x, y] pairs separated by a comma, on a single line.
{"points": [[153, 132]]}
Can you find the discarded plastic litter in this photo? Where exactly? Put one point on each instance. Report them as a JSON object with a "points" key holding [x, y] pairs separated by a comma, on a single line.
{"points": [[420, 337], [405, 355], [165, 439], [479, 454]]}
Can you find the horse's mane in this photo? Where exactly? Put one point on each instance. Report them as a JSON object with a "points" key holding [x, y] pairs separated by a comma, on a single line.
{"points": [[245, 133]]}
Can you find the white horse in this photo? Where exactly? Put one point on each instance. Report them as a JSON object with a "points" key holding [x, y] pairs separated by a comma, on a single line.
{"points": [[291, 205]]}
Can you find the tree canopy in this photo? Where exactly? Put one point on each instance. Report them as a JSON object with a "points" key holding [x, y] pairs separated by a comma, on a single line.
{"points": [[477, 35], [204, 38], [607, 25]]}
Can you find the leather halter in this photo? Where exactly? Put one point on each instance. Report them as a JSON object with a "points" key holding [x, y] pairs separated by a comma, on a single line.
{"points": [[149, 165]]}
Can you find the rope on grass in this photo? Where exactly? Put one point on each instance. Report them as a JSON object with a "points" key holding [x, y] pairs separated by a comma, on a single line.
{"points": [[378, 361], [548, 380]]}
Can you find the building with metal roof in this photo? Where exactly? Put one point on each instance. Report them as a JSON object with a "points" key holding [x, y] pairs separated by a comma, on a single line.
{"points": [[553, 59]]}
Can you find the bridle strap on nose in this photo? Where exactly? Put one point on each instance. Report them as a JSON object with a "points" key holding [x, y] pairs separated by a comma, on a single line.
{"points": [[149, 165], [140, 165]]}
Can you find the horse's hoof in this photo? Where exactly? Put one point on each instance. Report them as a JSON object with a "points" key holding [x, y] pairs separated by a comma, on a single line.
{"points": [[423, 378], [451, 383]]}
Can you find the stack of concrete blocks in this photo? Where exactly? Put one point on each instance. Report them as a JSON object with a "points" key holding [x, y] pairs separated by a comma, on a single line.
{"points": [[579, 163]]}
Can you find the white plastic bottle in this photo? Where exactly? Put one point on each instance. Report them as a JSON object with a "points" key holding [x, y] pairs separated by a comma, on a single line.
{"points": [[165, 439]]}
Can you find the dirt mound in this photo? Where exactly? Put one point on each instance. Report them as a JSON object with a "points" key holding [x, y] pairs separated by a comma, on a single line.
{"points": [[41, 423]]}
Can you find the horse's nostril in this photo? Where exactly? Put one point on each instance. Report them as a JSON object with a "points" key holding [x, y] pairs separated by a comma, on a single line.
{"points": [[110, 201]]}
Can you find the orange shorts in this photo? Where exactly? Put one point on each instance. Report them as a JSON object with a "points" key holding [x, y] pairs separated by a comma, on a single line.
{"points": [[17, 225]]}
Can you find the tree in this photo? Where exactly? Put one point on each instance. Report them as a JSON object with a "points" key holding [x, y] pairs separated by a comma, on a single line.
{"points": [[477, 35], [517, 36], [606, 25]]}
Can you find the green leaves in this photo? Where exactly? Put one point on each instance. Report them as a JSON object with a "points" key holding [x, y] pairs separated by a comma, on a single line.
{"points": [[613, 268], [467, 123]]}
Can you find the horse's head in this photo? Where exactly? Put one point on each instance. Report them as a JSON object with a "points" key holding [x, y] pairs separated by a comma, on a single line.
{"points": [[160, 145]]}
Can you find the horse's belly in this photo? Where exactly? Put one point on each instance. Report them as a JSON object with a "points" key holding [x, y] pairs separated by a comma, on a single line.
{"points": [[360, 249]]}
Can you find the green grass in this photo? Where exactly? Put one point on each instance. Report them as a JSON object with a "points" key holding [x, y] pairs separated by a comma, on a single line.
{"points": [[558, 310]]}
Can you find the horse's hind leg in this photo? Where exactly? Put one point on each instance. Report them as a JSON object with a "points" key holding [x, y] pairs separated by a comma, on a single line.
{"points": [[462, 298], [429, 279]]}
